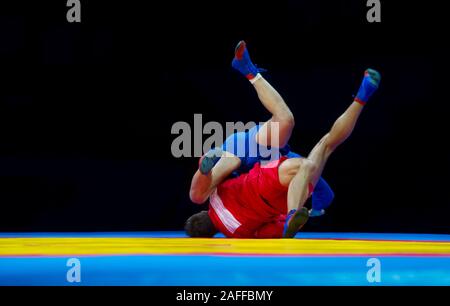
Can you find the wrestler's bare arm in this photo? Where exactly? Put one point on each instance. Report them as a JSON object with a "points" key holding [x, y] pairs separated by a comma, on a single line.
{"points": [[203, 185]]}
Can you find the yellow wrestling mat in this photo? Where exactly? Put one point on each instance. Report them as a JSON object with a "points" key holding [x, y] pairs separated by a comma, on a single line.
{"points": [[37, 246]]}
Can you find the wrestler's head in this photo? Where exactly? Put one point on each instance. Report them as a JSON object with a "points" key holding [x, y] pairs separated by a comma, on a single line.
{"points": [[200, 225]]}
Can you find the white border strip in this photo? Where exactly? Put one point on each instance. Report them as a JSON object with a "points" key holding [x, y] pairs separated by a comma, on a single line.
{"points": [[227, 218]]}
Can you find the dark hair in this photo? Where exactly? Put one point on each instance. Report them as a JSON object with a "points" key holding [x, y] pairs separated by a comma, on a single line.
{"points": [[200, 225]]}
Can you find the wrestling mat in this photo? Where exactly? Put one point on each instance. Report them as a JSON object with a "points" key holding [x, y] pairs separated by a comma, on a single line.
{"points": [[171, 259]]}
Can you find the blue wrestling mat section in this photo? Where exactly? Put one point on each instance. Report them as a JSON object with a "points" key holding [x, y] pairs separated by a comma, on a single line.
{"points": [[172, 259]]}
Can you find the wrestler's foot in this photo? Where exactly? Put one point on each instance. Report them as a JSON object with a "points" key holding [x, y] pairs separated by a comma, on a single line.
{"points": [[295, 221], [369, 85], [209, 160], [243, 63]]}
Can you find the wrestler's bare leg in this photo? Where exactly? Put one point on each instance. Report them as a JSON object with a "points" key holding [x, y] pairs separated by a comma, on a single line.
{"points": [[301, 174], [277, 131]]}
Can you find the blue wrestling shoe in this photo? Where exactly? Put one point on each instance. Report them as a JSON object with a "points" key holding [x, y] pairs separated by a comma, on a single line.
{"points": [[369, 85], [295, 220], [242, 62], [209, 160]]}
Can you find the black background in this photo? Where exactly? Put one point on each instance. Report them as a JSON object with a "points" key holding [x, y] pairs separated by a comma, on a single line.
{"points": [[86, 109]]}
